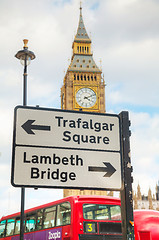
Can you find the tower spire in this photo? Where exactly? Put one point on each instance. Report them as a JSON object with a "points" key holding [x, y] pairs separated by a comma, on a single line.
{"points": [[81, 31], [80, 7]]}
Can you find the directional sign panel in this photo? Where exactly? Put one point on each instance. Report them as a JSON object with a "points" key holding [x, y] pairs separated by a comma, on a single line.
{"points": [[66, 149], [55, 167]]}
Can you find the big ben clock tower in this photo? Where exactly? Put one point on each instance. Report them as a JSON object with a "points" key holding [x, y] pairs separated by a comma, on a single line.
{"points": [[83, 86]]}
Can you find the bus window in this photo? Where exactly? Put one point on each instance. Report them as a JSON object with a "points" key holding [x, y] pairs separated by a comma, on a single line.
{"points": [[2, 228], [101, 212], [39, 219], [10, 227], [49, 217], [63, 214], [115, 212], [30, 222], [17, 226]]}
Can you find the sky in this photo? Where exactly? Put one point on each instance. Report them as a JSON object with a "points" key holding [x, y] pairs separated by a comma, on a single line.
{"points": [[125, 44]]}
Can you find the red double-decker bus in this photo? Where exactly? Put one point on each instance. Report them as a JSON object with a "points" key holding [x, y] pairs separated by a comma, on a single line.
{"points": [[79, 218], [72, 218]]}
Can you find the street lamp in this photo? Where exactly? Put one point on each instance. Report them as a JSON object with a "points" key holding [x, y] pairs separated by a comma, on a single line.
{"points": [[25, 57]]}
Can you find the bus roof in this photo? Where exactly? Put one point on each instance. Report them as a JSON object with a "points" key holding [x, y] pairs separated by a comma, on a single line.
{"points": [[81, 198], [102, 198]]}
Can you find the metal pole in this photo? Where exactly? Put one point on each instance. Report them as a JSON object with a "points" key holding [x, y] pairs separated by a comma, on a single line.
{"points": [[22, 213], [126, 193], [25, 82], [23, 189]]}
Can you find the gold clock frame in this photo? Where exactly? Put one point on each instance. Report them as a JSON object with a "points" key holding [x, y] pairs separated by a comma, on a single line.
{"points": [[76, 106]]}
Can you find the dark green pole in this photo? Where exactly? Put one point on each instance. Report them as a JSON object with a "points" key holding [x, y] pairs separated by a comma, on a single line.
{"points": [[126, 193]]}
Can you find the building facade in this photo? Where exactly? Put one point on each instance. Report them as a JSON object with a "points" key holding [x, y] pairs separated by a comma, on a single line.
{"points": [[149, 201], [83, 85]]}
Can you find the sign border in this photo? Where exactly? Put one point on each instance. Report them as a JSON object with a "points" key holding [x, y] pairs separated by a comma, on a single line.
{"points": [[14, 145]]}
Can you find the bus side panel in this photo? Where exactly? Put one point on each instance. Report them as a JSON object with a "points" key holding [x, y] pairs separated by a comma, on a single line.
{"points": [[55, 233], [6, 238], [76, 220], [68, 230]]}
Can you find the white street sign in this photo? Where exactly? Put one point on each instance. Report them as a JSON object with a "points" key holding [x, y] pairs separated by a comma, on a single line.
{"points": [[66, 149], [54, 167]]}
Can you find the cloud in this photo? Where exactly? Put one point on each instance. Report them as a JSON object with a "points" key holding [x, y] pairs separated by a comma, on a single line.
{"points": [[127, 34], [124, 34], [145, 148]]}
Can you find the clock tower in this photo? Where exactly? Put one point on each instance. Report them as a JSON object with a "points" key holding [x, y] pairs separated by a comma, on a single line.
{"points": [[83, 86]]}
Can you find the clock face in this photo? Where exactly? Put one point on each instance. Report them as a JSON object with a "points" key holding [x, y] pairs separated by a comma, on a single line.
{"points": [[86, 97]]}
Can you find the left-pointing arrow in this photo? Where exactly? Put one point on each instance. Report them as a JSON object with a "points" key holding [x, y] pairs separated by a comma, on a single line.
{"points": [[109, 169], [28, 127]]}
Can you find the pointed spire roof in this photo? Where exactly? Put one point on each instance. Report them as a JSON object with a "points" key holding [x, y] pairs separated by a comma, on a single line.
{"points": [[81, 31]]}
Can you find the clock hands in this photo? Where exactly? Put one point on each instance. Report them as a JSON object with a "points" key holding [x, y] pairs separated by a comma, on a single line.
{"points": [[89, 96]]}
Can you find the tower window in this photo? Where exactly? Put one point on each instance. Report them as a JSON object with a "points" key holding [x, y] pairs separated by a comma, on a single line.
{"points": [[88, 77], [78, 49], [87, 66], [74, 76], [81, 77], [83, 49], [78, 77], [85, 34], [84, 60], [92, 78], [93, 66], [95, 78], [74, 65], [85, 77], [89, 61], [87, 49], [77, 60], [80, 66]]}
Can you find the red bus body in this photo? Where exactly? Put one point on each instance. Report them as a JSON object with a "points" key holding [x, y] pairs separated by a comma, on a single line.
{"points": [[81, 226], [146, 225]]}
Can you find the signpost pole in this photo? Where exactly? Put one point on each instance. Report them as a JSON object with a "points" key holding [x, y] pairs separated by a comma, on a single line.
{"points": [[23, 189], [126, 193]]}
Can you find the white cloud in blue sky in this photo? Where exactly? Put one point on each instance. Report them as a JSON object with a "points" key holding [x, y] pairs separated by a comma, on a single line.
{"points": [[125, 36]]}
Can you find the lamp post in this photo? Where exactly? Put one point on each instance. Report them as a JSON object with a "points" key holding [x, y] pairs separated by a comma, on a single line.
{"points": [[25, 56]]}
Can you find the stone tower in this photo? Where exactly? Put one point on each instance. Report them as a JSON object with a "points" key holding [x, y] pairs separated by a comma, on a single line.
{"points": [[83, 85]]}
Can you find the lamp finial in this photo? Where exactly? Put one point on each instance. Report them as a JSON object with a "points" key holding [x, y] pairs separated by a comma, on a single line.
{"points": [[25, 43]]}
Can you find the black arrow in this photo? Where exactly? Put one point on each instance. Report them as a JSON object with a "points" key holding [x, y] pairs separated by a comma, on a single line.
{"points": [[109, 169], [28, 127]]}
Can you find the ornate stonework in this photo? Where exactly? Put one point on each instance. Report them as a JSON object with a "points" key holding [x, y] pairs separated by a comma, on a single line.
{"points": [[146, 202]]}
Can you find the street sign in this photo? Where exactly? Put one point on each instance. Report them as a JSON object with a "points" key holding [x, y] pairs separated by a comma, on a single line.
{"points": [[66, 149]]}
